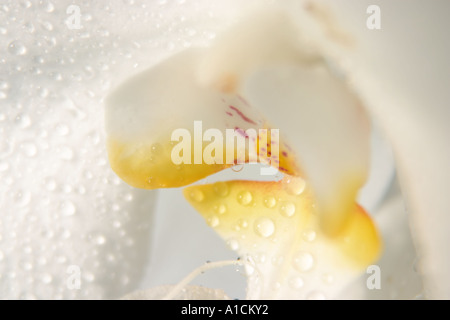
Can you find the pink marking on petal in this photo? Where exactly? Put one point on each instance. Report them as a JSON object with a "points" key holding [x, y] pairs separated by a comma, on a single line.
{"points": [[243, 116]]}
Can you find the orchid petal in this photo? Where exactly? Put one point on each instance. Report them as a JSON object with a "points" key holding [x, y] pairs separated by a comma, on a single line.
{"points": [[274, 226], [275, 70], [328, 127], [142, 114]]}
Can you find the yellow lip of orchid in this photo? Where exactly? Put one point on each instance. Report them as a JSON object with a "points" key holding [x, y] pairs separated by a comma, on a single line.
{"points": [[276, 227]]}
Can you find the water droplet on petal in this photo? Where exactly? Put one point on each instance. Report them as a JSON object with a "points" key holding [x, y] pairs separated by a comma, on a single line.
{"points": [[29, 149], [220, 209], [287, 209], [89, 277], [50, 184], [264, 227], [249, 267], [157, 148], [23, 121], [17, 48], [303, 261], [100, 240], [197, 195], [68, 208], [221, 189], [270, 202], [46, 278], [296, 283], [233, 244], [277, 260], [309, 235], [4, 85], [213, 221], [295, 185], [276, 286], [4, 166], [22, 198], [243, 223], [245, 198]]}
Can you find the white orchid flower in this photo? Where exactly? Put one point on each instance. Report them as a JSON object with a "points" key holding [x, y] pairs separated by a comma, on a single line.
{"points": [[71, 229]]}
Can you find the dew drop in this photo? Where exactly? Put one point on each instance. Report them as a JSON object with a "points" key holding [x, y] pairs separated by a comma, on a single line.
{"points": [[287, 209], [243, 223], [66, 234], [309, 235], [43, 92], [221, 189], [100, 240], [29, 149], [68, 208], [295, 185], [245, 198], [47, 25], [276, 286], [233, 244], [46, 278], [50, 184], [249, 268], [22, 198], [296, 283], [23, 121], [270, 202], [4, 166], [157, 148], [197, 195], [220, 209], [213, 221], [17, 48], [277, 260], [4, 85], [89, 277], [264, 227], [303, 261], [50, 7]]}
